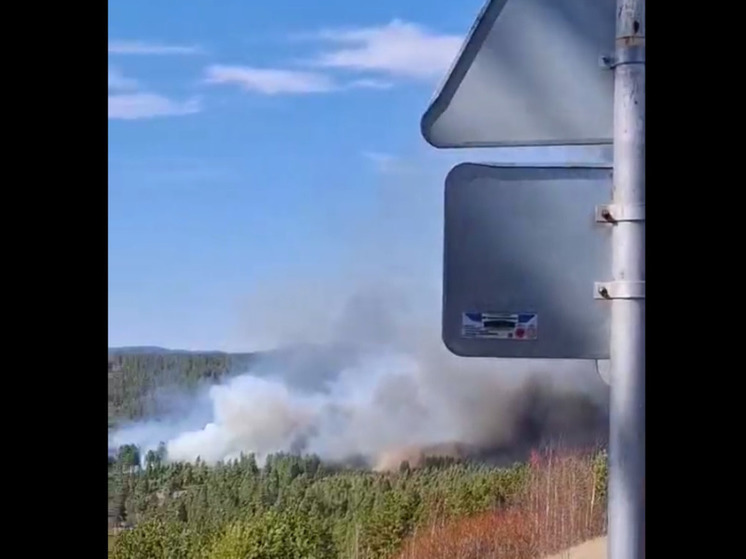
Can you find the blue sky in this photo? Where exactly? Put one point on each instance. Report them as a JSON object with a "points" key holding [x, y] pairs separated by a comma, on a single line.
{"points": [[256, 143]]}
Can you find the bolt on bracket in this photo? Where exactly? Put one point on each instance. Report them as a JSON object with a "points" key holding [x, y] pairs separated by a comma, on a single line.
{"points": [[614, 213], [606, 61], [619, 290], [629, 54]]}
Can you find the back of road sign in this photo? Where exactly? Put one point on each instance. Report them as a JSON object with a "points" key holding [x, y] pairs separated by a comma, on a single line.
{"points": [[522, 251], [529, 73]]}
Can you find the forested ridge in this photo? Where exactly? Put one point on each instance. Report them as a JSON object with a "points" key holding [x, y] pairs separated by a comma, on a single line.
{"points": [[135, 375]]}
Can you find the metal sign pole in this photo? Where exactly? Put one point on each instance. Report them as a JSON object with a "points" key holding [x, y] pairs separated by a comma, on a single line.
{"points": [[475, 108], [627, 290]]}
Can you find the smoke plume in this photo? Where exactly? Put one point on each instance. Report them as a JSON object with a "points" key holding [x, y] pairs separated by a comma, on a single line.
{"points": [[363, 372]]}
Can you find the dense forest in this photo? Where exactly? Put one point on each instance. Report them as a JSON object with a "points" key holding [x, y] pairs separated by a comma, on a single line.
{"points": [[298, 507], [135, 377]]}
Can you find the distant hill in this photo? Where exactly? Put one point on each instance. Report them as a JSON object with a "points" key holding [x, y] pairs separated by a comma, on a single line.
{"points": [[155, 350], [137, 373]]}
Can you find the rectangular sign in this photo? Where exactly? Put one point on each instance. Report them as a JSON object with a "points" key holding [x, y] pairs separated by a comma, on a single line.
{"points": [[529, 73], [520, 244]]}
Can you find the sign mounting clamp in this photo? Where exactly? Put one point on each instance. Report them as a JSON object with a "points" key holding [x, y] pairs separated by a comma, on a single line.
{"points": [[620, 290]]}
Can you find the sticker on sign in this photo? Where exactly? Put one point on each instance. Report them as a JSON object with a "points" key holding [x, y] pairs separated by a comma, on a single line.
{"points": [[500, 326]]}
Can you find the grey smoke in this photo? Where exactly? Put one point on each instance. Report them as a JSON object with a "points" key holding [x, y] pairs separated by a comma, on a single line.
{"points": [[365, 370], [374, 400]]}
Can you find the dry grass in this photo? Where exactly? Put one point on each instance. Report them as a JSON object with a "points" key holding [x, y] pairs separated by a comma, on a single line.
{"points": [[505, 533], [565, 500], [562, 506]]}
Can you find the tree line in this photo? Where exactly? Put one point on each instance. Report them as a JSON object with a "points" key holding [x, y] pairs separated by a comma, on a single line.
{"points": [[297, 506], [136, 378]]}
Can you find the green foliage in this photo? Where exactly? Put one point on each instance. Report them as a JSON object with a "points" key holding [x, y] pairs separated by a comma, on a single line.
{"points": [[128, 456], [601, 473], [157, 539], [274, 535], [135, 378], [297, 507]]}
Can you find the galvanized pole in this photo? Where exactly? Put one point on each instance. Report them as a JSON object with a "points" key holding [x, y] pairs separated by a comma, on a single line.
{"points": [[626, 538]]}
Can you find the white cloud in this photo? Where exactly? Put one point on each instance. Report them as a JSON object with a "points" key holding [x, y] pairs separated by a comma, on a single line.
{"points": [[398, 49], [395, 50], [270, 81], [128, 102], [370, 84], [276, 81], [379, 159], [118, 82], [132, 106], [387, 163], [144, 48]]}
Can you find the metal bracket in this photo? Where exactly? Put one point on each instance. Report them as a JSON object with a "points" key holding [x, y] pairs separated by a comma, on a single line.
{"points": [[603, 368], [619, 290], [606, 61], [612, 213], [629, 54]]}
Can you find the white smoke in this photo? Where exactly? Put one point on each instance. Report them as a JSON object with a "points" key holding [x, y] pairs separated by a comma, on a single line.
{"points": [[375, 404], [250, 414], [374, 401]]}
